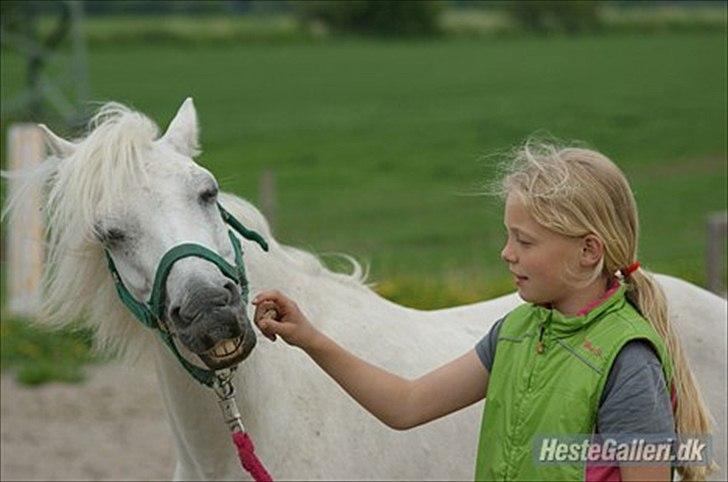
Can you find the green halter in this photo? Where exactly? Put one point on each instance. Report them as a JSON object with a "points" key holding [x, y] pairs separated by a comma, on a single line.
{"points": [[151, 313]]}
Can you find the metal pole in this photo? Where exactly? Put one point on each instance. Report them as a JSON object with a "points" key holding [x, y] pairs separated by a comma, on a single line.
{"points": [[715, 264], [79, 65]]}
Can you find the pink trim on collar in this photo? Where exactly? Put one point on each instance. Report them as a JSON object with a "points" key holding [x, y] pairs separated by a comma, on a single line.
{"points": [[600, 300]]}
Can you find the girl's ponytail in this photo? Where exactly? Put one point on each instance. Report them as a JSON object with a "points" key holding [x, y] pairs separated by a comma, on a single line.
{"points": [[692, 417]]}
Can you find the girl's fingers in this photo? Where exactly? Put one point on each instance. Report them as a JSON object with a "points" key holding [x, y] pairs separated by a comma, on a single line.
{"points": [[269, 295], [271, 313], [276, 297], [276, 315], [266, 309], [267, 327]]}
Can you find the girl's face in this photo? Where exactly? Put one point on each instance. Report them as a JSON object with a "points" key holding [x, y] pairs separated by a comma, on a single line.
{"points": [[539, 259]]}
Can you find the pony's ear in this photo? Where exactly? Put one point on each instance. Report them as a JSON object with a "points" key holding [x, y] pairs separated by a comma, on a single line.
{"points": [[182, 132], [58, 146]]}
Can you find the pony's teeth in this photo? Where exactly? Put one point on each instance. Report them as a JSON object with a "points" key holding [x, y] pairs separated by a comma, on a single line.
{"points": [[229, 347], [225, 348]]}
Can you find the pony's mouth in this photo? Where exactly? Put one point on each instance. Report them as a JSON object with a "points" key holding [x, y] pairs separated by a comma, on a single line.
{"points": [[225, 348], [227, 353]]}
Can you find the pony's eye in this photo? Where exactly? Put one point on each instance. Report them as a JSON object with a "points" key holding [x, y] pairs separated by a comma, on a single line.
{"points": [[109, 235], [115, 235], [208, 195]]}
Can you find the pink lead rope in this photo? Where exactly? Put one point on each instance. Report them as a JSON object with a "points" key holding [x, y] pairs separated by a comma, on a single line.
{"points": [[250, 461], [246, 452]]}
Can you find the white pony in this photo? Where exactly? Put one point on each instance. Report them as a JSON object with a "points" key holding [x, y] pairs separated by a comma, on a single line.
{"points": [[137, 194]]}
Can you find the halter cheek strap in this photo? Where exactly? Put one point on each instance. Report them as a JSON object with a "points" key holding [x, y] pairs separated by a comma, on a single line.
{"points": [[151, 313]]}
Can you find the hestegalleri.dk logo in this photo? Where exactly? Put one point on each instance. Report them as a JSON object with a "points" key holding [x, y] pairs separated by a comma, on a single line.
{"points": [[633, 449]]}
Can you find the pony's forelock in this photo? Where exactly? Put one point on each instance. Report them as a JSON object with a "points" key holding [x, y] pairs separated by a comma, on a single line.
{"points": [[77, 189]]}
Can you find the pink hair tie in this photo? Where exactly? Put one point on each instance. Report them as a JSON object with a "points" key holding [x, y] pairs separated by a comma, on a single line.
{"points": [[625, 272]]}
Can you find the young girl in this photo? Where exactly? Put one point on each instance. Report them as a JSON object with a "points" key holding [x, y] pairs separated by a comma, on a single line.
{"points": [[591, 352]]}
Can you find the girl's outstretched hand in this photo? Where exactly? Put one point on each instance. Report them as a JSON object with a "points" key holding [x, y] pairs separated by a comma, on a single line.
{"points": [[275, 314]]}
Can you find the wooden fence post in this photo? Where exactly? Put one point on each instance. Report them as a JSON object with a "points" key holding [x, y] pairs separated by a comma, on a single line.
{"points": [[26, 150], [268, 201], [715, 254]]}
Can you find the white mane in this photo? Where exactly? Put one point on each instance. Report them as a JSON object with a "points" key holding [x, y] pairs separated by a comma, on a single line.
{"points": [[77, 285], [308, 262]]}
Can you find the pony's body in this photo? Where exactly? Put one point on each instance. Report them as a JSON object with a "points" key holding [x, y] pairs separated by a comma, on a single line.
{"points": [[304, 426]]}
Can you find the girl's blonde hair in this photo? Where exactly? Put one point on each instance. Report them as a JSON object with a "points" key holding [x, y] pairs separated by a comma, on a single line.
{"points": [[575, 191]]}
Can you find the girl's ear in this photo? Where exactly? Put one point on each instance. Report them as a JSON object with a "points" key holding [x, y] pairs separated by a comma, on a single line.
{"points": [[592, 250]]}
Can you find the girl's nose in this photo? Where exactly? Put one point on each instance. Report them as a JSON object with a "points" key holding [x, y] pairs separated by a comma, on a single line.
{"points": [[507, 254]]}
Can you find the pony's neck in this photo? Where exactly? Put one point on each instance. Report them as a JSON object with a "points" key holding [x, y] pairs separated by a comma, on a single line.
{"points": [[198, 430], [203, 443]]}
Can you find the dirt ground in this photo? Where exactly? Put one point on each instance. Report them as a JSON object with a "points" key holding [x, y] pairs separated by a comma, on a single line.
{"points": [[111, 427]]}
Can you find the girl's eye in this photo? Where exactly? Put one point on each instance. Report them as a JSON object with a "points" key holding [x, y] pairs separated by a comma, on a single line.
{"points": [[524, 243]]}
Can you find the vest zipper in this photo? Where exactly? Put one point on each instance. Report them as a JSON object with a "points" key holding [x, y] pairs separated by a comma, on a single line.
{"points": [[539, 344]]}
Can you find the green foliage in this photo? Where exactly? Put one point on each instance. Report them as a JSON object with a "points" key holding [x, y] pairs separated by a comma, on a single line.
{"points": [[38, 355], [181, 30], [647, 18], [194, 7], [376, 145], [270, 27], [404, 18], [568, 16], [19, 22], [428, 293]]}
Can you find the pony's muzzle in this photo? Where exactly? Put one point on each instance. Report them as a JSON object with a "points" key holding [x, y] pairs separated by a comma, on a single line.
{"points": [[212, 323]]}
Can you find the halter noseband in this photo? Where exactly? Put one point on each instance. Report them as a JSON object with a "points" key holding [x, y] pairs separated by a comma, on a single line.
{"points": [[151, 313]]}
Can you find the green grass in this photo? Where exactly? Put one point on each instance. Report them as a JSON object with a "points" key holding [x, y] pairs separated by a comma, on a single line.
{"points": [[377, 147], [37, 355], [377, 144], [430, 293]]}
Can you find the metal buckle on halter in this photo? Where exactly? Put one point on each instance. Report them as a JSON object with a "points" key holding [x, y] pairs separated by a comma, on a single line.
{"points": [[225, 391], [163, 325]]}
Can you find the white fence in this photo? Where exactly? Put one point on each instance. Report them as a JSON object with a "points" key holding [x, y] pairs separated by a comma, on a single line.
{"points": [[26, 149]]}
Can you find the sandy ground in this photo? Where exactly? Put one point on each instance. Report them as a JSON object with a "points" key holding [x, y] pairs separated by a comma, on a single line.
{"points": [[111, 427]]}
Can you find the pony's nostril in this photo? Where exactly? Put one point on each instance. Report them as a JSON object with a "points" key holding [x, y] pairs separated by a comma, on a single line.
{"points": [[206, 342], [174, 314], [232, 290]]}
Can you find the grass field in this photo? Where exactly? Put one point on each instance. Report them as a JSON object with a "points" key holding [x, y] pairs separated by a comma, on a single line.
{"points": [[377, 146], [284, 27]]}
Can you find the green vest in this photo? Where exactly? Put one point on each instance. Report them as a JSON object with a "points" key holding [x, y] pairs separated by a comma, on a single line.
{"points": [[547, 379]]}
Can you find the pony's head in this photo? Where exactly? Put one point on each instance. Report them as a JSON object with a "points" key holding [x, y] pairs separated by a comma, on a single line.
{"points": [[133, 194]]}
